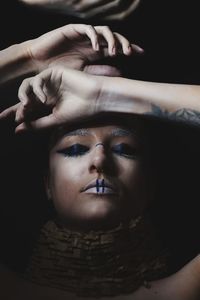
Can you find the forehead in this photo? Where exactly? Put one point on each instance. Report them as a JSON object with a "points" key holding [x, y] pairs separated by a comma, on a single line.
{"points": [[107, 131], [100, 131]]}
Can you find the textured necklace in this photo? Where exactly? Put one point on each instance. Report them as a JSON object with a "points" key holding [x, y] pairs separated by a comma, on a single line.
{"points": [[98, 263]]}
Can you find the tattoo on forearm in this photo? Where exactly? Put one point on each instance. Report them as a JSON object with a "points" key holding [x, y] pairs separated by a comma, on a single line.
{"points": [[182, 115]]}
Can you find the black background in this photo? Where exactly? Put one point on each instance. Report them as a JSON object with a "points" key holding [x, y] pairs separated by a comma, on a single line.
{"points": [[169, 33]]}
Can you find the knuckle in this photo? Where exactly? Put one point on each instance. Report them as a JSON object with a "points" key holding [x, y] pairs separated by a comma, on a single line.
{"points": [[20, 94], [105, 27], [89, 27]]}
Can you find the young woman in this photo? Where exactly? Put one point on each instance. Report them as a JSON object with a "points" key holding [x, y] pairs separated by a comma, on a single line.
{"points": [[101, 184]]}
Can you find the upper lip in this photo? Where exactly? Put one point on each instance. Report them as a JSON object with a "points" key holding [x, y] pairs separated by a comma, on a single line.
{"points": [[93, 184]]}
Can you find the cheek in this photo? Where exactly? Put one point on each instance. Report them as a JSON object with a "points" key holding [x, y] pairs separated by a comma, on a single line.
{"points": [[65, 179], [130, 173], [134, 185]]}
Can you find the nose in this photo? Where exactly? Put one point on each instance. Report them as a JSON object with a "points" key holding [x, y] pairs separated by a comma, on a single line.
{"points": [[99, 159]]}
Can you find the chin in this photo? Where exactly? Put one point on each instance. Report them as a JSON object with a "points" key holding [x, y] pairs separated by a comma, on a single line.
{"points": [[91, 212], [100, 214]]}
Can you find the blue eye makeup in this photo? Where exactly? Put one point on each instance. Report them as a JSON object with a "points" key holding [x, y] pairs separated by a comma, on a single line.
{"points": [[125, 150], [122, 149], [74, 150]]}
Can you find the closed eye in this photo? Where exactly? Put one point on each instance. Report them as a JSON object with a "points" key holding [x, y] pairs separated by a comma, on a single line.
{"points": [[125, 150], [74, 150]]}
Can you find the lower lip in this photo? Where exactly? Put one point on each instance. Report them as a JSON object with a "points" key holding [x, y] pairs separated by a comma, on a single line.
{"points": [[101, 191]]}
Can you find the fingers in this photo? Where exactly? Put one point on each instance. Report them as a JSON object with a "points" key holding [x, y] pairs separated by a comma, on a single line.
{"points": [[109, 37], [29, 85], [9, 112], [41, 123], [38, 86], [73, 31], [46, 122], [108, 10], [121, 15], [85, 5], [127, 47], [24, 91], [102, 9], [114, 41], [117, 43], [27, 98], [20, 113], [137, 49], [31, 94]]}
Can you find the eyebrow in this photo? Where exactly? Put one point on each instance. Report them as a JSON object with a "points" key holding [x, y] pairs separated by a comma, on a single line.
{"points": [[78, 132], [114, 132], [122, 132]]}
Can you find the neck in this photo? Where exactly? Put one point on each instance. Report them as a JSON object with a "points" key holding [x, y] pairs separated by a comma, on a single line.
{"points": [[98, 263]]}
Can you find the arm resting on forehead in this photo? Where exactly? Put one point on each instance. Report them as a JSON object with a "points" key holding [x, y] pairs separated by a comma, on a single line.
{"points": [[59, 89], [178, 102]]}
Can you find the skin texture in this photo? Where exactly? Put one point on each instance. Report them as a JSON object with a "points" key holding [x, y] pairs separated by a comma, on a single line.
{"points": [[57, 91], [85, 9], [79, 158], [76, 46]]}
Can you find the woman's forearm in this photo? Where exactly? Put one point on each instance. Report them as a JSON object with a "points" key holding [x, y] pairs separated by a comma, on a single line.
{"points": [[15, 62], [180, 102]]}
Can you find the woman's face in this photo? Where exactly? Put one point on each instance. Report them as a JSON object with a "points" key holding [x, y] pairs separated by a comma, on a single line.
{"points": [[82, 156]]}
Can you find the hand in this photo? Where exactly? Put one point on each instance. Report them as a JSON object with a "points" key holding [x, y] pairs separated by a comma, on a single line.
{"points": [[70, 46], [85, 9], [56, 90]]}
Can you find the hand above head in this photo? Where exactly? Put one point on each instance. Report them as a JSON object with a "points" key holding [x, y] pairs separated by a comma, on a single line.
{"points": [[55, 96], [59, 95], [85, 9], [75, 46]]}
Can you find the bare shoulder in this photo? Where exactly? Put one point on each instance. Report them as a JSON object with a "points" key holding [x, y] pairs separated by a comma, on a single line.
{"points": [[182, 285]]}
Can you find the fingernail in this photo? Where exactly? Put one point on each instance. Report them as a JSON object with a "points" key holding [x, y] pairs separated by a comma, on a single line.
{"points": [[140, 49], [96, 46], [42, 97], [130, 49], [113, 51]]}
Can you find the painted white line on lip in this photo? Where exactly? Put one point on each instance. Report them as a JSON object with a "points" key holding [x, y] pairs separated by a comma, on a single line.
{"points": [[102, 190]]}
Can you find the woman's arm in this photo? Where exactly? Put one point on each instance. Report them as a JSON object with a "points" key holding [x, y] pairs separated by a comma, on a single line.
{"points": [[101, 9], [74, 46], [67, 100], [178, 102], [14, 63]]}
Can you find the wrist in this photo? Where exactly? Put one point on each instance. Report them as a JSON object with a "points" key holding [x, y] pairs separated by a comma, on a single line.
{"points": [[107, 101], [119, 96], [15, 62]]}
